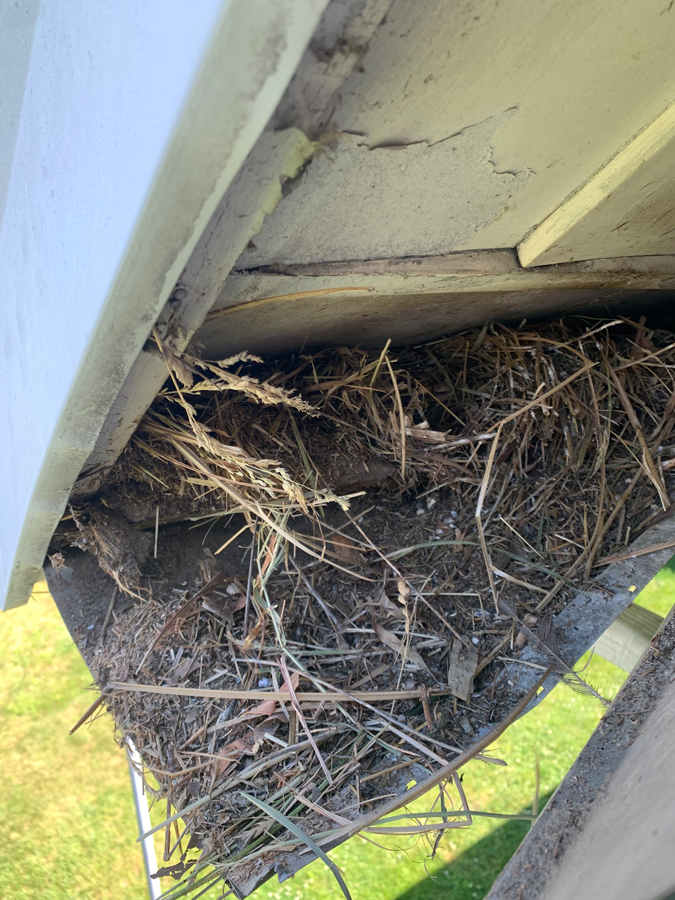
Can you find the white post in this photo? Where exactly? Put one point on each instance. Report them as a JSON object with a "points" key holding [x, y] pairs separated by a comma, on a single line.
{"points": [[143, 817]]}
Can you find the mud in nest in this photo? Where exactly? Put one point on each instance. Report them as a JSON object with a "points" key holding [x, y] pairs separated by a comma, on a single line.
{"points": [[408, 519]]}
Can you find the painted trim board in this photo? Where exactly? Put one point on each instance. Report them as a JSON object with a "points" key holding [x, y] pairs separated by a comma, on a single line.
{"points": [[236, 89]]}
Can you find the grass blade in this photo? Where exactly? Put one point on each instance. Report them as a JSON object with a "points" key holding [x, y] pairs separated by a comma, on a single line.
{"points": [[299, 833]]}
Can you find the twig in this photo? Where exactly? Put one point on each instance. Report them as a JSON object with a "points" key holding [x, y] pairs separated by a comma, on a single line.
{"points": [[379, 362], [301, 718], [441, 774], [633, 554], [479, 510], [284, 696], [635, 422], [401, 415], [250, 580], [107, 616], [539, 400], [90, 711]]}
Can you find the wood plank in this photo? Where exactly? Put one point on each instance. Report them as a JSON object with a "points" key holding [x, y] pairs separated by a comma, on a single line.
{"points": [[338, 45], [274, 314], [469, 262], [231, 82], [609, 829], [496, 112]]}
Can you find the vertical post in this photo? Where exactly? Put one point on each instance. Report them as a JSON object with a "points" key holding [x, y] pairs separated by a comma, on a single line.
{"points": [[143, 818]]}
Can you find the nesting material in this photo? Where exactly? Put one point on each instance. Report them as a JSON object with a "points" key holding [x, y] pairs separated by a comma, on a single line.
{"points": [[413, 516]]}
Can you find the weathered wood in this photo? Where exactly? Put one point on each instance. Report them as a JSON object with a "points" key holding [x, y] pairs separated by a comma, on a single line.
{"points": [[366, 302], [338, 45], [468, 262], [609, 829], [627, 271]]}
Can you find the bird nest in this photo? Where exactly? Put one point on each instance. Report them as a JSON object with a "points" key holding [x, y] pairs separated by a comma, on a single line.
{"points": [[408, 520]]}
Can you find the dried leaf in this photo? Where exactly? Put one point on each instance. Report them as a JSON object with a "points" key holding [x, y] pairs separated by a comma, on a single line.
{"points": [[347, 551], [252, 635], [390, 639], [462, 668], [266, 708], [120, 673], [221, 608], [176, 871], [387, 606], [238, 595], [232, 753], [269, 556], [175, 622], [183, 669]]}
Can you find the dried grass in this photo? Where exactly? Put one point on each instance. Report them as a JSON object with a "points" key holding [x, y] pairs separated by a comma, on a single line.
{"points": [[504, 467]]}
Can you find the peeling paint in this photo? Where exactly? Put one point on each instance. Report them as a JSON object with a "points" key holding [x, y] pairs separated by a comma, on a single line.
{"points": [[396, 200], [585, 76]]}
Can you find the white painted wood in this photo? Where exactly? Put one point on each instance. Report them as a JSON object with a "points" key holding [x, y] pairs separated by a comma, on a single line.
{"points": [[626, 209], [17, 28], [136, 119], [254, 194]]}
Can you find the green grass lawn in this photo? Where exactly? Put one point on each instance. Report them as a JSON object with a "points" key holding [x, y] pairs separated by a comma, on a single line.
{"points": [[67, 809], [65, 803]]}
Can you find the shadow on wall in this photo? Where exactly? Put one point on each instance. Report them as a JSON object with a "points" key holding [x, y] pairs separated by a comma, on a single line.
{"points": [[470, 875]]}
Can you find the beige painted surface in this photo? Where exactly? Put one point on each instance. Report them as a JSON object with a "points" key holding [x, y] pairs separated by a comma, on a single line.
{"points": [[355, 203], [338, 44], [625, 851], [627, 208], [514, 105]]}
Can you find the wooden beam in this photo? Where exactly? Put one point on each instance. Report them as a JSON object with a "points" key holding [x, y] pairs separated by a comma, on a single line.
{"points": [[608, 830], [414, 299]]}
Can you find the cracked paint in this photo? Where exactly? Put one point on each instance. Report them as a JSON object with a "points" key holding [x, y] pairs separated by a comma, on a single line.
{"points": [[422, 199]]}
